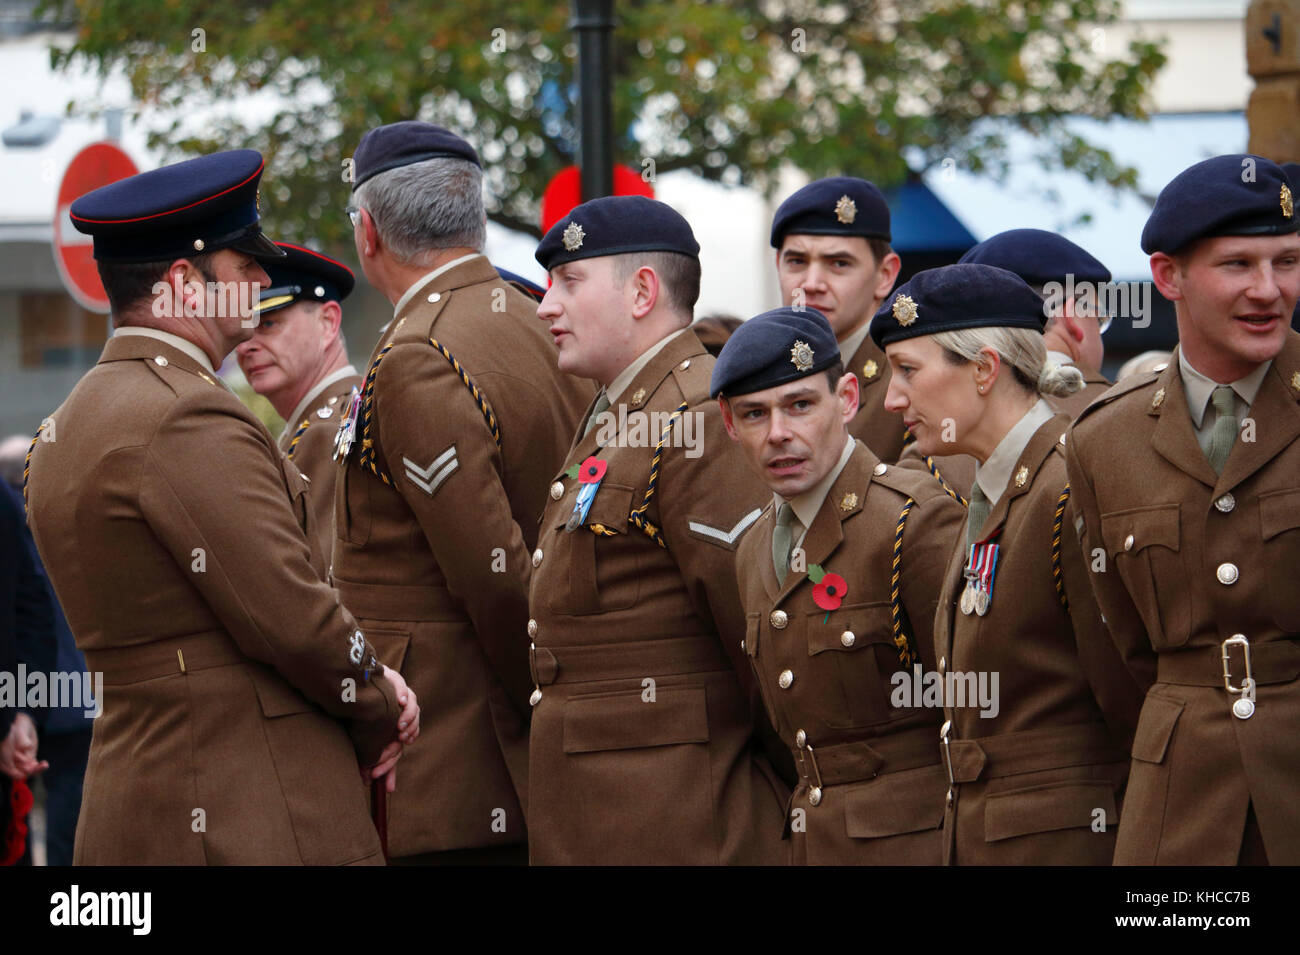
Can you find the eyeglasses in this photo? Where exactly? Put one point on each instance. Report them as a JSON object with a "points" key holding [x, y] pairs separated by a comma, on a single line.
{"points": [[1085, 306], [354, 215]]}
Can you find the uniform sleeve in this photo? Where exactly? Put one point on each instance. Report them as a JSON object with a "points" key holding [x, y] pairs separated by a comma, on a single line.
{"points": [[715, 490], [443, 461], [37, 646], [1121, 617], [1114, 686], [212, 491], [929, 537]]}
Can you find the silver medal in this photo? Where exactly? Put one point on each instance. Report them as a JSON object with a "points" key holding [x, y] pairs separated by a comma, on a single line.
{"points": [[968, 600], [982, 601]]}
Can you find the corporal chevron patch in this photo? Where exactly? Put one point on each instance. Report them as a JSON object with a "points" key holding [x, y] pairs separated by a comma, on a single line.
{"points": [[430, 479]]}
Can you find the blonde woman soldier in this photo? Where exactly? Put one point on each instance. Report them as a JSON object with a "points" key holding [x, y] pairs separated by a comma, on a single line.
{"points": [[1039, 709]]}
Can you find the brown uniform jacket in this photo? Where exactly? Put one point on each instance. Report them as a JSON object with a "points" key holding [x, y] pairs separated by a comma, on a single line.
{"points": [[173, 532], [1183, 560], [642, 748], [433, 554], [880, 430], [1094, 385], [1029, 781], [309, 444], [871, 785]]}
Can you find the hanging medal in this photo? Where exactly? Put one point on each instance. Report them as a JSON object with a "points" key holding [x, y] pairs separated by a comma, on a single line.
{"points": [[987, 567], [589, 474], [347, 431], [968, 593]]}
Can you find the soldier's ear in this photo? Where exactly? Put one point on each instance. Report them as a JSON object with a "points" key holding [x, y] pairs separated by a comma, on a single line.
{"points": [[848, 391], [1167, 273], [727, 421], [332, 316]]}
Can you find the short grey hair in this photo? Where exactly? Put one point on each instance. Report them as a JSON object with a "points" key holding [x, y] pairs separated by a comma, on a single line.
{"points": [[423, 207], [1021, 349]]}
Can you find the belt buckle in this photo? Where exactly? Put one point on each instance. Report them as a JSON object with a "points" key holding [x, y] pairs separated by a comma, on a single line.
{"points": [[1244, 707], [947, 759]]}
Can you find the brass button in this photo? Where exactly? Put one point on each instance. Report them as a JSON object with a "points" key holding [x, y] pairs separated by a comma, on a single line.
{"points": [[557, 491], [1128, 542], [160, 361], [880, 469], [537, 557], [815, 795], [779, 619], [1227, 574], [948, 801], [943, 662], [848, 638], [535, 698], [801, 739], [1225, 503], [435, 296], [742, 646], [532, 628], [1062, 439], [198, 245], [785, 679], [684, 365]]}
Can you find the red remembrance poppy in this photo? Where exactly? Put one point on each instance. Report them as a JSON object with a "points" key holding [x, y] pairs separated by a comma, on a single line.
{"points": [[830, 591], [592, 470]]}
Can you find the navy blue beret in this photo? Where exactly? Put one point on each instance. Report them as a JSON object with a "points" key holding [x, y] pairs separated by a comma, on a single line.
{"points": [[1237, 194], [527, 286], [840, 205], [772, 349], [1038, 257], [400, 144], [193, 207], [957, 296], [613, 225], [304, 276]]}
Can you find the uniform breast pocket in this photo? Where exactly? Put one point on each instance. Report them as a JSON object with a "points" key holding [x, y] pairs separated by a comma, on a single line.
{"points": [[602, 566], [296, 484], [1279, 520], [1143, 547], [852, 657], [352, 504]]}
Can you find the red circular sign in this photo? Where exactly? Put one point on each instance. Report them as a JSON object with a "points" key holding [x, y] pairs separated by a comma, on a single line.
{"points": [[96, 165], [564, 191]]}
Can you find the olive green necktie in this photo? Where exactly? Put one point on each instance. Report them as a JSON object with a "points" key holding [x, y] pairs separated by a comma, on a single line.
{"points": [[976, 513], [1224, 433], [783, 539], [602, 405]]}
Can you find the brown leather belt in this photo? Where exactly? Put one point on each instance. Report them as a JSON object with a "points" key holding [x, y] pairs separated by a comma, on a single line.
{"points": [[634, 660], [148, 661], [1274, 662], [865, 759], [398, 602], [1056, 747]]}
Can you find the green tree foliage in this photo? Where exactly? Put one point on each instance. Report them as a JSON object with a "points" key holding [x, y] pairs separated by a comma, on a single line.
{"points": [[728, 89]]}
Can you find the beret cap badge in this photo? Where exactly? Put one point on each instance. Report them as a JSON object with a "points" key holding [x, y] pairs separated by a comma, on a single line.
{"points": [[1288, 207], [802, 356], [573, 236], [905, 310], [846, 210]]}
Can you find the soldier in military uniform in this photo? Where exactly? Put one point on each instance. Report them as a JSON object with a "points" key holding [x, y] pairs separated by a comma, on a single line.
{"points": [[298, 360], [1186, 483], [840, 579], [643, 735], [1075, 324], [463, 418], [1037, 760], [833, 254], [214, 745]]}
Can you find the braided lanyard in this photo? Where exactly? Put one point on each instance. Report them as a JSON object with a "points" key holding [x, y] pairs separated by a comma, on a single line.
{"points": [[1057, 519], [297, 436], [27, 464], [367, 458], [637, 518], [906, 655], [909, 438]]}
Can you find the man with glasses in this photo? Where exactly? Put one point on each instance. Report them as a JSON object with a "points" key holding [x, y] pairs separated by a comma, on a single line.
{"points": [[297, 359], [449, 457], [1075, 325]]}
